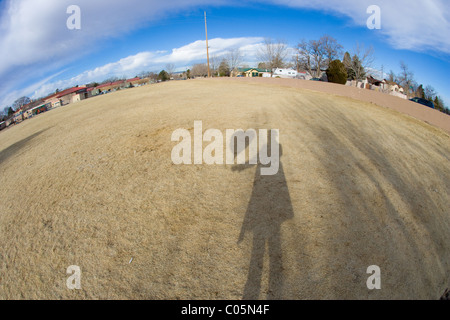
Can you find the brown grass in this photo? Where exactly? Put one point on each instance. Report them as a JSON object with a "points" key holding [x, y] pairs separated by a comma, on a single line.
{"points": [[92, 184]]}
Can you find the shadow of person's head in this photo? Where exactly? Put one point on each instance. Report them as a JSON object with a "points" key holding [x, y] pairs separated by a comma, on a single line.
{"points": [[239, 143]]}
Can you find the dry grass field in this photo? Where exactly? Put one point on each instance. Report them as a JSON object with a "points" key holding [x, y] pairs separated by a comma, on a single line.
{"points": [[93, 184]]}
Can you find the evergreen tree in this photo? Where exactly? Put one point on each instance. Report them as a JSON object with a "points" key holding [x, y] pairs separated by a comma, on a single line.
{"points": [[224, 69], [10, 112], [336, 72], [347, 61], [437, 104], [420, 92], [163, 76], [357, 70]]}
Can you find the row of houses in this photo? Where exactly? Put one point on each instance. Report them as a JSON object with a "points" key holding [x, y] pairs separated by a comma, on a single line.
{"points": [[267, 73], [385, 86], [78, 93], [116, 85], [68, 96], [369, 82]]}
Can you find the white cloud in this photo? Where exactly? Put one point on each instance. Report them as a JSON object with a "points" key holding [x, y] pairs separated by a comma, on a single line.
{"points": [[35, 30], [144, 61], [217, 47], [12, 94], [35, 41], [413, 25]]}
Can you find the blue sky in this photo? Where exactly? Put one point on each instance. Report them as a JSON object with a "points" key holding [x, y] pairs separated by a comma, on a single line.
{"points": [[123, 38]]}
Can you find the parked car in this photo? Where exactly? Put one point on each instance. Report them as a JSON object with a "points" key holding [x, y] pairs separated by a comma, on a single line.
{"points": [[425, 102], [315, 79]]}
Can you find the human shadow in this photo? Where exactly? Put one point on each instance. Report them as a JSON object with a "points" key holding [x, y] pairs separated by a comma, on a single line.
{"points": [[16, 147], [269, 206], [402, 222]]}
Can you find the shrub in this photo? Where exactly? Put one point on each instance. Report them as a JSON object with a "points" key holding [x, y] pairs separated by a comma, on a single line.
{"points": [[163, 76], [336, 72]]}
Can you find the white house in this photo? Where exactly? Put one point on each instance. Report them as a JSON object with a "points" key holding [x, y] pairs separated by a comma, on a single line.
{"points": [[392, 86], [285, 73]]}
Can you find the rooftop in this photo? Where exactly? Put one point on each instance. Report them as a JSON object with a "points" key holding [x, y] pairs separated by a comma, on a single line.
{"points": [[69, 91], [257, 69]]}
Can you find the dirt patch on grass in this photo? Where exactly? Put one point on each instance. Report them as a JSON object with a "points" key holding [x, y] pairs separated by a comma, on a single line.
{"points": [[92, 184]]}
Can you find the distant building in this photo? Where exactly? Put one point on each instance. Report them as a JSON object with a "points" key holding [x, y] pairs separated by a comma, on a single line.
{"points": [[116, 85], [18, 116], [37, 110], [129, 83], [303, 75], [285, 73], [374, 82], [392, 86], [112, 85], [9, 122], [254, 72], [28, 114], [72, 95], [53, 100], [320, 74], [92, 92], [385, 86]]}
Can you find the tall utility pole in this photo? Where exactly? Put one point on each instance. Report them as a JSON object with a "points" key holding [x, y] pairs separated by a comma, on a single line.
{"points": [[207, 48]]}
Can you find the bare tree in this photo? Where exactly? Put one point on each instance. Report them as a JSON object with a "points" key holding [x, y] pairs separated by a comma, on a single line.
{"points": [[406, 78], [110, 79], [332, 49], [361, 61], [170, 69], [199, 70], [429, 92], [224, 68], [312, 56], [214, 63], [304, 57], [273, 54], [153, 76], [414, 86], [144, 74], [315, 55], [392, 76], [19, 103], [261, 65], [234, 58]]}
